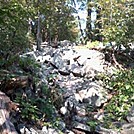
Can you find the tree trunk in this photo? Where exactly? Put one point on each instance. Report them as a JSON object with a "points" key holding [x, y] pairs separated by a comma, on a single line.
{"points": [[88, 25], [93, 34], [39, 32], [81, 31]]}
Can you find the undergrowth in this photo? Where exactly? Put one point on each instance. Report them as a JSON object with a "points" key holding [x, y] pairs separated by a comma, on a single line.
{"points": [[121, 86], [38, 100]]}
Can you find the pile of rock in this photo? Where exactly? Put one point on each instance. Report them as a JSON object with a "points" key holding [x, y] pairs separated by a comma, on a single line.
{"points": [[75, 72]]}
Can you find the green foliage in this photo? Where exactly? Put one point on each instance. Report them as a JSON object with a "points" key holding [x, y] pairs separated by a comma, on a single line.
{"points": [[13, 27], [13, 30], [114, 21], [92, 124], [58, 20], [93, 33], [92, 44], [56, 17], [121, 86], [28, 63], [8, 61], [35, 107], [117, 19], [45, 103], [28, 108]]}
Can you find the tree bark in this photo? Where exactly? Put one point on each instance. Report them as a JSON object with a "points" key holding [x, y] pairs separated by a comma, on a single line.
{"points": [[78, 17], [39, 32]]}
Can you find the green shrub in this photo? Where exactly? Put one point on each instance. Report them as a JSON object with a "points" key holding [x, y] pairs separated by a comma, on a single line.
{"points": [[28, 108], [122, 87], [92, 44], [29, 65], [34, 107]]}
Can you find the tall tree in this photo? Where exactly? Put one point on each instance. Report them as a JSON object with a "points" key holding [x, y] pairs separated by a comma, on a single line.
{"points": [[93, 25], [117, 22], [58, 19], [114, 21], [52, 19], [78, 6], [13, 26]]}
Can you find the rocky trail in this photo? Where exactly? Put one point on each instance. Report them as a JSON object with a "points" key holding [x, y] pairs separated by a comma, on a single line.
{"points": [[79, 95]]}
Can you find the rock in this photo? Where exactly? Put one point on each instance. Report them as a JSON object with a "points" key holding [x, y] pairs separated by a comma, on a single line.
{"points": [[57, 61], [81, 119], [92, 68], [90, 54], [23, 129], [76, 70], [61, 125], [43, 44], [80, 95], [128, 131], [64, 71], [42, 59], [81, 60], [33, 131], [73, 66], [48, 130], [128, 125], [6, 106], [63, 110], [101, 99], [81, 110], [45, 130], [69, 132], [128, 128], [66, 43], [94, 64], [70, 103], [130, 116], [102, 130], [30, 55], [99, 116], [53, 131], [88, 72], [78, 131], [69, 55], [94, 95], [81, 126], [73, 71]]}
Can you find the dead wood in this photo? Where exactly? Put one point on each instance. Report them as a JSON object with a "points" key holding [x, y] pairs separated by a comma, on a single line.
{"points": [[9, 84]]}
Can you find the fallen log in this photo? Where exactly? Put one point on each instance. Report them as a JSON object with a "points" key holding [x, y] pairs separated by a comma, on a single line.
{"points": [[9, 84], [6, 106]]}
